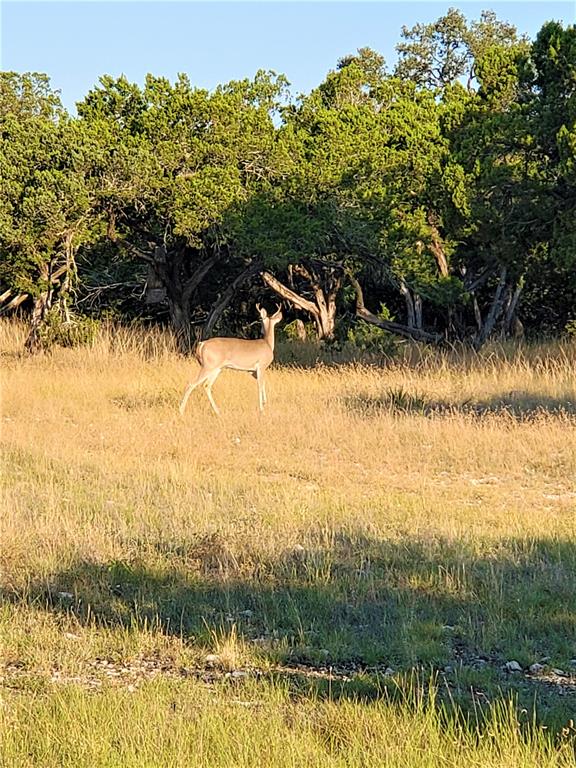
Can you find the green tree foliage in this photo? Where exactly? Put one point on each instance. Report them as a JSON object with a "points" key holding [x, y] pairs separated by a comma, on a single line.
{"points": [[443, 190], [178, 165], [45, 200], [549, 89]]}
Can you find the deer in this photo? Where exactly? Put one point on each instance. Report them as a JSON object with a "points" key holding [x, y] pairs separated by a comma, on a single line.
{"points": [[253, 355]]}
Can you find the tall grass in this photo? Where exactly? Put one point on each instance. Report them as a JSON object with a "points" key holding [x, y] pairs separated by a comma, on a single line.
{"points": [[185, 723], [407, 516]]}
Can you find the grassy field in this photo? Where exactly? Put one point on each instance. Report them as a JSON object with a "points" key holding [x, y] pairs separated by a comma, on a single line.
{"points": [[344, 581]]}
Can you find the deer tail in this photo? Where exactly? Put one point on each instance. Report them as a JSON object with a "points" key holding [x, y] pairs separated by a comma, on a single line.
{"points": [[198, 351]]}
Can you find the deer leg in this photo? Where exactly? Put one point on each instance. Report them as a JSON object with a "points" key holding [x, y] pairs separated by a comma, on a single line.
{"points": [[261, 389], [203, 375], [208, 387]]}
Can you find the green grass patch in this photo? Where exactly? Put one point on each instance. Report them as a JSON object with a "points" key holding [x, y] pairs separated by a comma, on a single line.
{"points": [[183, 723]]}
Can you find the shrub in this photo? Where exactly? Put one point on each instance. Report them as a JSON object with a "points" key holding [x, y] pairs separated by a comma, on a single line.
{"points": [[75, 331]]}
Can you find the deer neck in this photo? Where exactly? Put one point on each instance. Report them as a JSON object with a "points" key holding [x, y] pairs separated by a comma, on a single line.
{"points": [[269, 335]]}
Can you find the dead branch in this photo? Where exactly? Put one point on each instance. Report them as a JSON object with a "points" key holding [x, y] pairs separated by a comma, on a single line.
{"points": [[288, 294], [388, 325]]}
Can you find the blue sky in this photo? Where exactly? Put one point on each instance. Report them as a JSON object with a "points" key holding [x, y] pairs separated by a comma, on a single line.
{"points": [[75, 42]]}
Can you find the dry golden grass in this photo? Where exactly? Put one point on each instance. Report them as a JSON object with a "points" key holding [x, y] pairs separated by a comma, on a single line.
{"points": [[454, 447], [367, 510]]}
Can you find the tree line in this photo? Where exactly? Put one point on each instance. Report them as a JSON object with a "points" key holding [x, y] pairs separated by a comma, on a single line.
{"points": [[435, 199]]}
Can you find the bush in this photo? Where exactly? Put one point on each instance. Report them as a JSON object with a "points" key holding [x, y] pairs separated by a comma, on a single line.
{"points": [[570, 328], [293, 331], [77, 331], [370, 338]]}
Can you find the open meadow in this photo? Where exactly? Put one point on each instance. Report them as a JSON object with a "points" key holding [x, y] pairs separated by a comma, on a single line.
{"points": [[380, 571]]}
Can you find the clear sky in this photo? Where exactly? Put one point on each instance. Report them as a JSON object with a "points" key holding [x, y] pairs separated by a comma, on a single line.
{"points": [[75, 42]]}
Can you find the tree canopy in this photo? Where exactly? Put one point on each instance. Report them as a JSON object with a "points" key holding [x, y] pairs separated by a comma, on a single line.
{"points": [[442, 190]]}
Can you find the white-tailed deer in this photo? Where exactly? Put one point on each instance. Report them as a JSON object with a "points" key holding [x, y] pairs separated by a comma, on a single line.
{"points": [[253, 355]]}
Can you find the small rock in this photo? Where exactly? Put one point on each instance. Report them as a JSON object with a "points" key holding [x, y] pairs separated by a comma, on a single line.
{"points": [[448, 669], [535, 669], [388, 672], [65, 595], [484, 480], [237, 673], [513, 666], [572, 662], [212, 658], [247, 614], [559, 672]]}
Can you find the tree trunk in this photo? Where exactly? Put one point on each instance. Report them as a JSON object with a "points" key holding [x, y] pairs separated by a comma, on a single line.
{"points": [[411, 315], [326, 319], [226, 297], [413, 306], [510, 323], [477, 313], [167, 267], [437, 248], [300, 329], [68, 275], [180, 320], [323, 309], [325, 293], [418, 311], [401, 330], [494, 312], [40, 308], [39, 311], [57, 281]]}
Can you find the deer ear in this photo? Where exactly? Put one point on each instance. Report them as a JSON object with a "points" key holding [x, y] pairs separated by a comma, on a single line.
{"points": [[262, 311]]}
